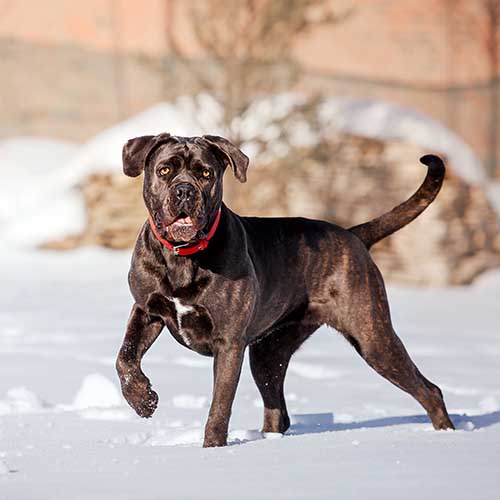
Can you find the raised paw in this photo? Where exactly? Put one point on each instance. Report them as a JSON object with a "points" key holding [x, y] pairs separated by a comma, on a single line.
{"points": [[139, 395]]}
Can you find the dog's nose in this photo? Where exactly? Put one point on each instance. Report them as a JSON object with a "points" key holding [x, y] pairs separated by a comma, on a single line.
{"points": [[184, 191]]}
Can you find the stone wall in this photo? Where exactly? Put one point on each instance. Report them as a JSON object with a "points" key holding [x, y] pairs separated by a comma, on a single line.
{"points": [[72, 93], [358, 179], [348, 181]]}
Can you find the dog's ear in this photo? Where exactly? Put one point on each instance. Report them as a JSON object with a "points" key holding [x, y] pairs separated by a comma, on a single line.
{"points": [[136, 151], [235, 158]]}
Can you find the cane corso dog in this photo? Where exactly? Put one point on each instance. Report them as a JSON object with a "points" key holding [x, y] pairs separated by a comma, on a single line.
{"points": [[221, 283]]}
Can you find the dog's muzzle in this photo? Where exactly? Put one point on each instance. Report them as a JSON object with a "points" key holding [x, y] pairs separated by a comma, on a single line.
{"points": [[185, 207]]}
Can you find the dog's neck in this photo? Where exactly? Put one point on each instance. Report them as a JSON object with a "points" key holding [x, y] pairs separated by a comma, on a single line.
{"points": [[182, 270]]}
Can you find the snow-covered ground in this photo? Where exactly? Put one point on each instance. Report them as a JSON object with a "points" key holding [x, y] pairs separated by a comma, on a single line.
{"points": [[65, 431]]}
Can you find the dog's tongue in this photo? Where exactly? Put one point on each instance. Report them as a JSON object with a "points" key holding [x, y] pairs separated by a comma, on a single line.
{"points": [[184, 220]]}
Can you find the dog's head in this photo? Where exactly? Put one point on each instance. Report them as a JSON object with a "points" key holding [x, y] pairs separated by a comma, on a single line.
{"points": [[182, 179]]}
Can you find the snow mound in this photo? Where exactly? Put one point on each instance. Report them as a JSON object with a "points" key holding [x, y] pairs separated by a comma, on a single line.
{"points": [[4, 468], [21, 400], [244, 435], [38, 201], [97, 391], [386, 121], [465, 425], [186, 116]]}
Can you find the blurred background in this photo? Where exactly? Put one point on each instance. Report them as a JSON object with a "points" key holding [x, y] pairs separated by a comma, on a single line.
{"points": [[333, 100]]}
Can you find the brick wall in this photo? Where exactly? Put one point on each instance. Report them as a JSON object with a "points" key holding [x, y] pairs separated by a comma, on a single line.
{"points": [[70, 69], [72, 93]]}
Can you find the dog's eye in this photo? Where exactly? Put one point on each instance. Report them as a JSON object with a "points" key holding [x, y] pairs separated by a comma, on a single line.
{"points": [[206, 173], [164, 171]]}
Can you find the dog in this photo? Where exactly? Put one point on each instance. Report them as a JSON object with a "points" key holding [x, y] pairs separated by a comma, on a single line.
{"points": [[221, 283]]}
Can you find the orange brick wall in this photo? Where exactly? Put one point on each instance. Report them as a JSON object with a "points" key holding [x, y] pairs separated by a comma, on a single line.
{"points": [[102, 25], [418, 42], [70, 68], [431, 42]]}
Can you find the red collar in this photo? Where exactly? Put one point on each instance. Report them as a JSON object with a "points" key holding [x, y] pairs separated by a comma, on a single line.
{"points": [[183, 249]]}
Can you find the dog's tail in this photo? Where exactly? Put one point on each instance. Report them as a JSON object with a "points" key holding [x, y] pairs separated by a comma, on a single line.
{"points": [[377, 229]]}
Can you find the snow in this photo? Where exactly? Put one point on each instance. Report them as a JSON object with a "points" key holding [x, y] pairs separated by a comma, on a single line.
{"points": [[65, 433], [186, 116], [312, 371], [189, 401], [97, 391], [388, 121], [494, 194], [37, 203], [39, 199], [20, 400], [4, 468]]}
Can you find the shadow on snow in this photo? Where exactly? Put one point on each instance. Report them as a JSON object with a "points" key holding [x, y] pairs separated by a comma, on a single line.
{"points": [[315, 423], [323, 422]]}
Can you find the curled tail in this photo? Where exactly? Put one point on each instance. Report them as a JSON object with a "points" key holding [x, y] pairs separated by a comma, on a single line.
{"points": [[377, 229]]}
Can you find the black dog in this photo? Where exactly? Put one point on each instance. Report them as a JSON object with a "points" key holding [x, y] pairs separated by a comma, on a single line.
{"points": [[220, 282]]}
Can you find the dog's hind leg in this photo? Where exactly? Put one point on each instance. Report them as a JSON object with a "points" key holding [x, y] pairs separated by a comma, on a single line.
{"points": [[370, 331], [142, 330], [269, 360], [388, 357]]}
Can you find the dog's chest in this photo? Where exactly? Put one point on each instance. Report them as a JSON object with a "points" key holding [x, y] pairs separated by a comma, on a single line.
{"points": [[190, 324]]}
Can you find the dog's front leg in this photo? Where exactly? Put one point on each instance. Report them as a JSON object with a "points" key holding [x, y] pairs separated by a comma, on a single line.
{"points": [[228, 358], [142, 331]]}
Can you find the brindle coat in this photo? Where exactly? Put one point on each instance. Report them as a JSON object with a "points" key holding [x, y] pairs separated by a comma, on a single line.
{"points": [[262, 283]]}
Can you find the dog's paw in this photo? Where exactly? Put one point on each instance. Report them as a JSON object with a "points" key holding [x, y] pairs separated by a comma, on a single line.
{"points": [[140, 396], [443, 424], [276, 420], [215, 436], [214, 442], [147, 406]]}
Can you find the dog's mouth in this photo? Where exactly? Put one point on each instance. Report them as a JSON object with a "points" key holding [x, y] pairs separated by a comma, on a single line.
{"points": [[183, 228], [182, 220]]}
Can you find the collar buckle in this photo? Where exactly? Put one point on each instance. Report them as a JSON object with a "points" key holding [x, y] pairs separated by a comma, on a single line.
{"points": [[177, 248]]}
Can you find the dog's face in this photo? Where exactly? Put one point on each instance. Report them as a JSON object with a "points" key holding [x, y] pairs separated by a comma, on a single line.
{"points": [[182, 179]]}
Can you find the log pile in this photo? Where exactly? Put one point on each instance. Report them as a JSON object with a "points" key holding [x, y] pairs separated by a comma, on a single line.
{"points": [[345, 181]]}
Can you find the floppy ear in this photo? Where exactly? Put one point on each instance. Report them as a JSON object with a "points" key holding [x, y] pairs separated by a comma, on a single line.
{"points": [[136, 151], [236, 158]]}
